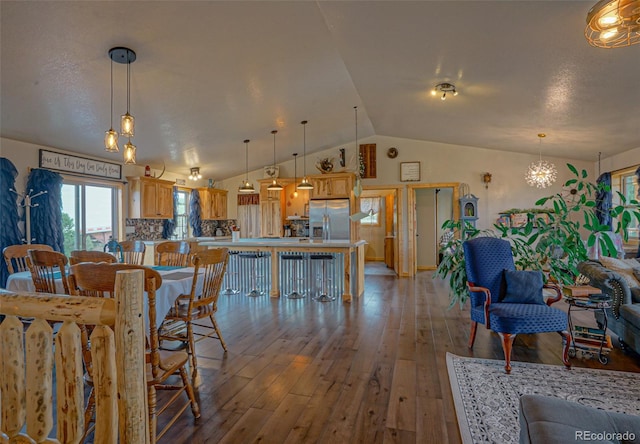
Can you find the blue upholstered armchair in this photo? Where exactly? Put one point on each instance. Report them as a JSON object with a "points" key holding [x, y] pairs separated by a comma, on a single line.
{"points": [[508, 301]]}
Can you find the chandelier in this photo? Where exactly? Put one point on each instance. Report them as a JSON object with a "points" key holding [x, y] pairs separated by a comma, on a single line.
{"points": [[195, 173], [444, 88], [613, 23], [541, 173], [124, 56]]}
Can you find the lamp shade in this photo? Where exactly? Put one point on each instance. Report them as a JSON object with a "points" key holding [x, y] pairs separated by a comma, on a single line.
{"points": [[129, 153]]}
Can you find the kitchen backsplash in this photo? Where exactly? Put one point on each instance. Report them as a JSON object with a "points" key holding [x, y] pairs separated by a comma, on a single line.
{"points": [[151, 229]]}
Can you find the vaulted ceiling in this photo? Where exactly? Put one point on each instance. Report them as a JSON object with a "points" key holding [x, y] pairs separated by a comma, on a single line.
{"points": [[210, 74]]}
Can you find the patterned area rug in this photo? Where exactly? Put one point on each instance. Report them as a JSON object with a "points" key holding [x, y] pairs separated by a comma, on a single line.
{"points": [[486, 398]]}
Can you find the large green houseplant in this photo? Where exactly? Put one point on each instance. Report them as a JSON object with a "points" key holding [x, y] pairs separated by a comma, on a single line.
{"points": [[551, 243]]}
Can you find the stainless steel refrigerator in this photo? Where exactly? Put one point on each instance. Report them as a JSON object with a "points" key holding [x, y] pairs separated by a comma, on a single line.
{"points": [[329, 219]]}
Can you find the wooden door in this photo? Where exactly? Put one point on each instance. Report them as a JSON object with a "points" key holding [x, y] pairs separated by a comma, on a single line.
{"points": [[270, 219], [205, 204], [164, 205], [148, 199]]}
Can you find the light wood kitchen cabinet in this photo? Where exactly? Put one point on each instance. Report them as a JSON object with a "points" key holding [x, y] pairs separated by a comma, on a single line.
{"points": [[213, 203], [331, 186], [270, 219], [150, 198]]}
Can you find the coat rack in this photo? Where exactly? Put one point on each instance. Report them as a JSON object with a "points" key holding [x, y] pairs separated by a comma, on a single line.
{"points": [[26, 199]]}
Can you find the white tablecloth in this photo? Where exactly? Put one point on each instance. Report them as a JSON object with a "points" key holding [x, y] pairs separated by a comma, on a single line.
{"points": [[166, 295]]}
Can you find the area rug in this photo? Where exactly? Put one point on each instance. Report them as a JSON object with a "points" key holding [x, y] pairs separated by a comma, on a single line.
{"points": [[486, 398]]}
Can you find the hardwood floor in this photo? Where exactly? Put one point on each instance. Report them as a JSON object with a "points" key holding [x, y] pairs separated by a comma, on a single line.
{"points": [[372, 371]]}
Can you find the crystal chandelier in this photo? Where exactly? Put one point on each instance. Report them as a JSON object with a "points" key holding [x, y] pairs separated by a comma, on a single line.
{"points": [[541, 173]]}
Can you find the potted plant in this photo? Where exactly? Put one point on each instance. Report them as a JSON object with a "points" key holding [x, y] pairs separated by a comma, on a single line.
{"points": [[552, 243]]}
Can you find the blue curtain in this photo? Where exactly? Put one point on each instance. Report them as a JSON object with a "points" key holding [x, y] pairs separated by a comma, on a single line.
{"points": [[603, 200], [195, 214], [638, 198], [46, 216], [9, 231], [169, 226]]}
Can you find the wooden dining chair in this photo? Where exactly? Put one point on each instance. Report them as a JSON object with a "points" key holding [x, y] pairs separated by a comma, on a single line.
{"points": [[133, 252], [173, 253], [16, 256], [98, 280], [209, 266], [46, 268], [78, 256]]}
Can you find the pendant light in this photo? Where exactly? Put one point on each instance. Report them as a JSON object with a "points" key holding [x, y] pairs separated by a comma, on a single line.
{"points": [[129, 152], [195, 173], [127, 121], [274, 186], [111, 136], [541, 174], [305, 184], [246, 186], [295, 174]]}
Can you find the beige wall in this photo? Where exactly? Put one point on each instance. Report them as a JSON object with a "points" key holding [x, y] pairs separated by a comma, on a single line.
{"points": [[439, 163]]}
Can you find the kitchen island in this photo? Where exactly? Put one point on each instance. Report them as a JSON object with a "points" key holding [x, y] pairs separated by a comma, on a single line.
{"points": [[350, 254]]}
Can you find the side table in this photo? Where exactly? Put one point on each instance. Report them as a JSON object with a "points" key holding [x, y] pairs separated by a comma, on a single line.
{"points": [[590, 340]]}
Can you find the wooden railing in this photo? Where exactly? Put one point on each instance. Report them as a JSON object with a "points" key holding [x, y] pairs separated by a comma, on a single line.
{"points": [[26, 365]]}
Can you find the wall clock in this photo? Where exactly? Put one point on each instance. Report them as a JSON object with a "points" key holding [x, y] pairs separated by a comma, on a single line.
{"points": [[392, 153]]}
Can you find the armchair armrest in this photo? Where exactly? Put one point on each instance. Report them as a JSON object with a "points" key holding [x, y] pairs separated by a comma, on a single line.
{"points": [[558, 293], [487, 300]]}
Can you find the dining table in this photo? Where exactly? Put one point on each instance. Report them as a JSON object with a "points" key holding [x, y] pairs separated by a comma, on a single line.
{"points": [[175, 281]]}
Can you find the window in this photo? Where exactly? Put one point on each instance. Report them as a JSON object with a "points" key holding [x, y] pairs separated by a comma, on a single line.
{"points": [[625, 182], [90, 214], [182, 215], [370, 205]]}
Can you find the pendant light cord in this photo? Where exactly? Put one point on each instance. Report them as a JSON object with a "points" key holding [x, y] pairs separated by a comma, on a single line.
{"points": [[111, 115], [246, 160], [304, 148], [274, 149], [128, 80]]}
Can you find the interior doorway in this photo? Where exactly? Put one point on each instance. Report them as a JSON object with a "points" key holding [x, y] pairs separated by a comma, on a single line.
{"points": [[380, 229], [429, 206]]}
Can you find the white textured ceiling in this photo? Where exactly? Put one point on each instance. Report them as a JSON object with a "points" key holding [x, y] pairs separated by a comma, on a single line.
{"points": [[210, 74]]}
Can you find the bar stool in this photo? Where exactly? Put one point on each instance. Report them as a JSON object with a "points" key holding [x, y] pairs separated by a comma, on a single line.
{"points": [[294, 259], [252, 261], [231, 275], [326, 260]]}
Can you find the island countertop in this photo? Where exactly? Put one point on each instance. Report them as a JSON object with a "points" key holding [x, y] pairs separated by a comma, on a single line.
{"points": [[274, 246]]}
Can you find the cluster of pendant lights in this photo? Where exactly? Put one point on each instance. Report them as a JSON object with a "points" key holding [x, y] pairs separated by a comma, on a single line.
{"points": [[127, 121], [247, 187]]}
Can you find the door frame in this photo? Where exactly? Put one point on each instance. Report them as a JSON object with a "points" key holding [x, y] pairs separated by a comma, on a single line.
{"points": [[399, 239], [411, 215]]}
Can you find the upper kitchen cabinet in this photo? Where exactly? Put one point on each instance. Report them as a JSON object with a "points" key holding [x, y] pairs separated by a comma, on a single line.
{"points": [[213, 203], [332, 186], [150, 198]]}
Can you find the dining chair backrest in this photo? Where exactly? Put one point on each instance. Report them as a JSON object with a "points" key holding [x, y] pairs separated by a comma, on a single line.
{"points": [[211, 264], [133, 252], [46, 267], [173, 253], [16, 256], [78, 256]]}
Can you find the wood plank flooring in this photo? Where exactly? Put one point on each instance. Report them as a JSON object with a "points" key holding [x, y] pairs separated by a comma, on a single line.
{"points": [[372, 371]]}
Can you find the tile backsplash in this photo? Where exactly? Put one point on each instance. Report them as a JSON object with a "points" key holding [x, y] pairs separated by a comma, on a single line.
{"points": [[151, 229]]}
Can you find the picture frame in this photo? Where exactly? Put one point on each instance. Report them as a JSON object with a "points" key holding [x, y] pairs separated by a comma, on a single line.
{"points": [[271, 172], [410, 171], [82, 166]]}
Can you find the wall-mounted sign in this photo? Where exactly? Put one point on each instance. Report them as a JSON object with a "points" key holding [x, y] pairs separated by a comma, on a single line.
{"points": [[410, 171], [68, 163]]}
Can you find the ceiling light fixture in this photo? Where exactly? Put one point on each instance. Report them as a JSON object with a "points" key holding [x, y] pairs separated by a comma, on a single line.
{"points": [[246, 186], [125, 55], [444, 88], [111, 136], [541, 173], [305, 184], [613, 23], [295, 174], [274, 186], [195, 173]]}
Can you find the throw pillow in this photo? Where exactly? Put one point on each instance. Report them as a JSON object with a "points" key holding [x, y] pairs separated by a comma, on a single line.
{"points": [[523, 287]]}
